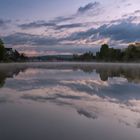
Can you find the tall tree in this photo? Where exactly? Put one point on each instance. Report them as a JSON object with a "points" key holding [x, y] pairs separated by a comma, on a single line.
{"points": [[2, 50], [103, 54]]}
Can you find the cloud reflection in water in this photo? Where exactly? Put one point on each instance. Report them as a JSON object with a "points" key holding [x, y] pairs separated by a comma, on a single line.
{"points": [[109, 93]]}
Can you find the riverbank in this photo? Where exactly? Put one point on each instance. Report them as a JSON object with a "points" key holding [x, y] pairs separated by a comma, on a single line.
{"points": [[63, 65]]}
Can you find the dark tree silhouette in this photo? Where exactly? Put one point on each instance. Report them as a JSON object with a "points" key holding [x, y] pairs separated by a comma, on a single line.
{"points": [[106, 54], [10, 55], [2, 50]]}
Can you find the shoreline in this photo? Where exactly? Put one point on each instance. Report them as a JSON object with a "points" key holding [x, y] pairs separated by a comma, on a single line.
{"points": [[74, 62], [63, 65]]}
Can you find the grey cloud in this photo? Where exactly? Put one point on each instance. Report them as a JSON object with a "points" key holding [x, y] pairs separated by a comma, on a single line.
{"points": [[4, 23], [137, 11], [128, 4], [67, 26], [50, 98], [84, 9], [68, 97], [62, 19], [29, 39], [123, 31], [81, 35], [138, 125], [55, 99], [54, 23], [87, 114], [88, 7], [41, 44], [118, 30], [133, 14], [37, 98], [125, 19], [37, 24]]}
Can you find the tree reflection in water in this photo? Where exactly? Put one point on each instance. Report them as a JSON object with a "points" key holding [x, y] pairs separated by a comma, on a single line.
{"points": [[130, 72], [9, 73]]}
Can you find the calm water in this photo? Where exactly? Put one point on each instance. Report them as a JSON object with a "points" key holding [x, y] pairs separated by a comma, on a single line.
{"points": [[72, 102]]}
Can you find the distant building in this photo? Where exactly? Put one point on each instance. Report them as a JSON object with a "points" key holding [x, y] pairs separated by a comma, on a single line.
{"points": [[9, 51], [137, 44]]}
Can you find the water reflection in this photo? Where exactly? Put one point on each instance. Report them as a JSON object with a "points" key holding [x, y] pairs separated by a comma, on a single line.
{"points": [[108, 96], [87, 114], [9, 73], [132, 74]]}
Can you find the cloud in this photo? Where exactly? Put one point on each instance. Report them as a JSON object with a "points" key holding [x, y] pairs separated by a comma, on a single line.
{"points": [[81, 10], [40, 24], [87, 114], [137, 11], [37, 24], [73, 97], [38, 98], [69, 26], [50, 98], [62, 19], [77, 29], [29, 39], [138, 125], [129, 19], [54, 23], [81, 35], [3, 23], [88, 7], [123, 31], [34, 45], [59, 99]]}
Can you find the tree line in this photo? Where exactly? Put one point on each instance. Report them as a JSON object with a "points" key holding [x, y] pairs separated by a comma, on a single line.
{"points": [[10, 55], [107, 54]]}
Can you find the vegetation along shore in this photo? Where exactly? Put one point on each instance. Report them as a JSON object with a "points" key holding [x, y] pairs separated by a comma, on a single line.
{"points": [[105, 54]]}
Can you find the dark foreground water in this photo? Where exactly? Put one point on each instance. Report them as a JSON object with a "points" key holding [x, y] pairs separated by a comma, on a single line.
{"points": [[69, 102]]}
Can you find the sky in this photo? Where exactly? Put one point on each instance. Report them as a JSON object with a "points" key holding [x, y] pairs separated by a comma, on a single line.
{"points": [[47, 27]]}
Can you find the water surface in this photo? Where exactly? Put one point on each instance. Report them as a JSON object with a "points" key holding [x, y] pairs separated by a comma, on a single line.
{"points": [[69, 102]]}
